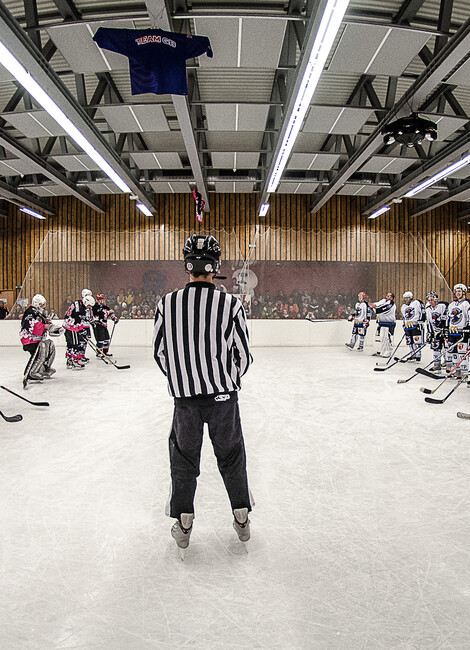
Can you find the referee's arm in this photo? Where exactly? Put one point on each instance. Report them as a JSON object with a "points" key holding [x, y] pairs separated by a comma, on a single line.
{"points": [[158, 340], [243, 358]]}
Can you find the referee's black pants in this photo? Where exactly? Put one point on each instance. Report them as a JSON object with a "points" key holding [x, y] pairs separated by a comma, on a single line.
{"points": [[225, 431]]}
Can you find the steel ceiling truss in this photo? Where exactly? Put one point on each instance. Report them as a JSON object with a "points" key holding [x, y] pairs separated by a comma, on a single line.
{"points": [[427, 92], [28, 53], [439, 65]]}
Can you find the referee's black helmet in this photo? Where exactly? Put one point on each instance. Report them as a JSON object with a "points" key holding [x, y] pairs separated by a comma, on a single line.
{"points": [[201, 254]]}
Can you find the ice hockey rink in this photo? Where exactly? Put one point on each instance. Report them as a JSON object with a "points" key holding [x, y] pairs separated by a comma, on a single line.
{"points": [[360, 533]]}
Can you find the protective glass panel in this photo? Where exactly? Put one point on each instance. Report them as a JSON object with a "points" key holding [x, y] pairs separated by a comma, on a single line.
{"points": [[276, 273]]}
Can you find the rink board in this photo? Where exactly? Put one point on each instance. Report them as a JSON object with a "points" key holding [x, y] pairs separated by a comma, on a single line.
{"points": [[302, 333]]}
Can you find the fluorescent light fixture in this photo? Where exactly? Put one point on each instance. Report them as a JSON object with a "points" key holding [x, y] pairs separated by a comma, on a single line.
{"points": [[380, 211], [32, 213], [144, 209], [34, 89], [263, 211], [329, 25], [437, 177]]}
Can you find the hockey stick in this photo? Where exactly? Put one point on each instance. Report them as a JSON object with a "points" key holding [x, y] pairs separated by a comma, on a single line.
{"points": [[11, 418], [408, 354], [426, 373], [428, 391], [432, 400], [24, 398], [112, 332], [463, 416], [393, 353], [404, 381], [104, 357], [413, 352]]}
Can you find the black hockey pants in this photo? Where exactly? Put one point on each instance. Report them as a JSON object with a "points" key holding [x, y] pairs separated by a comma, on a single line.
{"points": [[223, 420], [101, 336]]}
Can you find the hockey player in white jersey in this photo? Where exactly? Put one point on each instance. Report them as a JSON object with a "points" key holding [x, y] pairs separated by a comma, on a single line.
{"points": [[436, 316], [386, 311], [458, 326], [413, 314], [361, 319]]}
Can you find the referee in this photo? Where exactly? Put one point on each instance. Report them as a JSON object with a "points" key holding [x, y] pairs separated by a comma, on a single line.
{"points": [[201, 345]]}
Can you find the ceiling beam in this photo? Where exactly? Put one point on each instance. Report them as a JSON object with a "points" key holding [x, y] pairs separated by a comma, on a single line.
{"points": [[18, 197], [158, 11], [42, 167], [443, 197], [444, 157], [441, 65], [19, 44], [68, 10], [408, 11]]}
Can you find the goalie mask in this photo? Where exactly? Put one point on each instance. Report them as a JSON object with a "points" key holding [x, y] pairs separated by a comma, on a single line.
{"points": [[201, 254], [38, 301]]}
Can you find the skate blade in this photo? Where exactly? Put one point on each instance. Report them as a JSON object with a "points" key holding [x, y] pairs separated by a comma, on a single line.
{"points": [[246, 546]]}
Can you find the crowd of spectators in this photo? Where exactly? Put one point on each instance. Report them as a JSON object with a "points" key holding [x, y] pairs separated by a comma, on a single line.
{"points": [[135, 304], [311, 305]]}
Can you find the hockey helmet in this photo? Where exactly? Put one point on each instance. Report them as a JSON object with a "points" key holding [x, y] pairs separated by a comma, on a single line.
{"points": [[361, 295], [431, 294], [407, 294], [100, 296], [88, 301], [460, 285], [86, 292], [201, 254], [38, 301]]}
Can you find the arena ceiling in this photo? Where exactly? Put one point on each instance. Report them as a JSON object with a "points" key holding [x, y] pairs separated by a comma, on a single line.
{"points": [[389, 58]]}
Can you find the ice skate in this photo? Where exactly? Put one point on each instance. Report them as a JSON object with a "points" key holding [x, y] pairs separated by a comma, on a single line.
{"points": [[349, 345], [181, 532], [241, 524], [72, 364], [436, 366], [360, 348], [35, 376]]}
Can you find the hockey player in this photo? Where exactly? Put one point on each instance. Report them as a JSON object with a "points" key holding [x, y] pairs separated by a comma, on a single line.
{"points": [[201, 345], [76, 323], [100, 324], [436, 316], [85, 334], [34, 328], [386, 311], [458, 324], [413, 314], [361, 319]]}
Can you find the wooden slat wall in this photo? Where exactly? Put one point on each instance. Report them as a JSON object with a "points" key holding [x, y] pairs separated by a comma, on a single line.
{"points": [[338, 232]]}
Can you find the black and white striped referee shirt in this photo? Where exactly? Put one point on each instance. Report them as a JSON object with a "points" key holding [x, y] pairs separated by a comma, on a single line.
{"points": [[201, 340]]}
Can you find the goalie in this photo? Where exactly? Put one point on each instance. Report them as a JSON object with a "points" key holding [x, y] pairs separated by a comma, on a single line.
{"points": [[35, 328]]}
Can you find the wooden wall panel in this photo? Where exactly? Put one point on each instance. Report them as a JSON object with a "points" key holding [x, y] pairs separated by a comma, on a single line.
{"points": [[338, 232]]}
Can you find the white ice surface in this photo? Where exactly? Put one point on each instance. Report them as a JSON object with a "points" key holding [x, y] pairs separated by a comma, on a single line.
{"points": [[360, 534]]}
